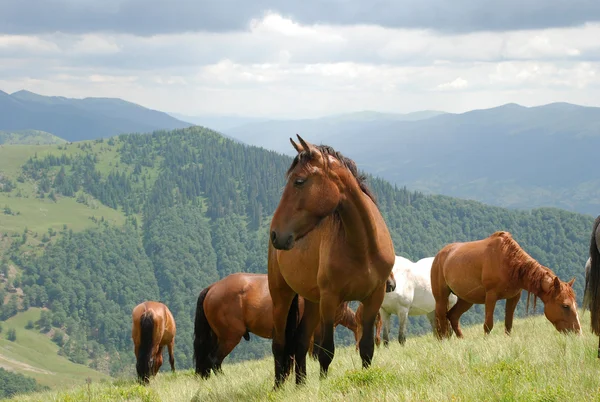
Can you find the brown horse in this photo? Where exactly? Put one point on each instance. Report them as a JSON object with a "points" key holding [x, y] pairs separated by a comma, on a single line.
{"points": [[153, 327], [329, 244], [232, 308], [492, 269], [344, 316], [359, 330], [592, 282]]}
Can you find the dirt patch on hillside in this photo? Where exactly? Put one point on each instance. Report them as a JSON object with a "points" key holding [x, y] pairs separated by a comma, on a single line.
{"points": [[11, 364]]}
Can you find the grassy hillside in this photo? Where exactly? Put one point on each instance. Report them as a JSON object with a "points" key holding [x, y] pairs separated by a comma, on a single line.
{"points": [[535, 363], [111, 223], [35, 355], [29, 137], [22, 208], [510, 156]]}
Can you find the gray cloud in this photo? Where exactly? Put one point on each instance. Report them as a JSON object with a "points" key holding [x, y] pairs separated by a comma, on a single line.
{"points": [[150, 17]]}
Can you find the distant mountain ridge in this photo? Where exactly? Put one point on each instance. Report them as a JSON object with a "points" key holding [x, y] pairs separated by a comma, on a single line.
{"points": [[80, 119], [510, 155]]}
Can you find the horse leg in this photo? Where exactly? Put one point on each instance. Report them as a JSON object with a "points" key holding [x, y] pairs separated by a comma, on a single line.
{"points": [[316, 341], [511, 305], [359, 330], [490, 305], [385, 317], [225, 348], [171, 357], [327, 306], [377, 330], [306, 328], [402, 313], [282, 349], [158, 359], [454, 314], [371, 307]]}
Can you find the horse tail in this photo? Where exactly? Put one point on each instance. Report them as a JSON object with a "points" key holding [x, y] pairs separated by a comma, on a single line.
{"points": [[438, 281], [145, 349], [205, 339], [593, 283], [586, 293]]}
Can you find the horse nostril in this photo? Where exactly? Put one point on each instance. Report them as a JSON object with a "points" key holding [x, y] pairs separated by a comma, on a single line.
{"points": [[289, 241], [273, 236]]}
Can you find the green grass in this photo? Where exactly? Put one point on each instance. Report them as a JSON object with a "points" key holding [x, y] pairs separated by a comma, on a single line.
{"points": [[535, 363], [33, 354], [37, 215], [31, 137]]}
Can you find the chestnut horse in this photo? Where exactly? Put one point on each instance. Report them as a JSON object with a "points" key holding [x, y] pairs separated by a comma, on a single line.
{"points": [[232, 308], [153, 327], [492, 269], [329, 244], [592, 283]]}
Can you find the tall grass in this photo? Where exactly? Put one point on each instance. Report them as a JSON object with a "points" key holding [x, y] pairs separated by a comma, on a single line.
{"points": [[535, 363]]}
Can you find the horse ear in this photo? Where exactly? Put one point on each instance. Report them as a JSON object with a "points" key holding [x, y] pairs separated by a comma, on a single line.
{"points": [[306, 146], [296, 146], [557, 283], [571, 282]]}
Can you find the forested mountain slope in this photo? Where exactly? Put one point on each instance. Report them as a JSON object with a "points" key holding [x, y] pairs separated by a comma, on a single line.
{"points": [[163, 215]]}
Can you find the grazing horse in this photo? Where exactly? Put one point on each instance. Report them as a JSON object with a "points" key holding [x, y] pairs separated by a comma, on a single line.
{"points": [[153, 327], [329, 244], [413, 296], [232, 308], [592, 284], [492, 269]]}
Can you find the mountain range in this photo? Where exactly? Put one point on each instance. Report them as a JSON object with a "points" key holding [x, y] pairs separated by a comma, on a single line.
{"points": [[510, 156], [80, 119]]}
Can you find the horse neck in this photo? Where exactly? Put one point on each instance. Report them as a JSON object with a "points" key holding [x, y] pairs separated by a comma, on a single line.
{"points": [[532, 276], [356, 212]]}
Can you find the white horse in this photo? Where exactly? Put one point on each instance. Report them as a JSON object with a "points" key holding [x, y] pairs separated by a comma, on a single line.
{"points": [[412, 296]]}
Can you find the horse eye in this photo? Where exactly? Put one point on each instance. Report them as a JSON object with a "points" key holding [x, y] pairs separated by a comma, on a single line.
{"points": [[299, 182], [565, 306]]}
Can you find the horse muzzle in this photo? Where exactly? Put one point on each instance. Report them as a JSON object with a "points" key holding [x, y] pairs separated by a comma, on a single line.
{"points": [[390, 285], [282, 241]]}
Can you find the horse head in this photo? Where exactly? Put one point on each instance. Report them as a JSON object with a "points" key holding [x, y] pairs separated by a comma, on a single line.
{"points": [[310, 195], [560, 306]]}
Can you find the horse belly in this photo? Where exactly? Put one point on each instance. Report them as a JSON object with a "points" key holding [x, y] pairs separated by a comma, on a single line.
{"points": [[423, 302], [470, 290]]}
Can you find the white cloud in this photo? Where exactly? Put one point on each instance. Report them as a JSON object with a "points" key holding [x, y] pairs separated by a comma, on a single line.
{"points": [[95, 44], [282, 67], [458, 83]]}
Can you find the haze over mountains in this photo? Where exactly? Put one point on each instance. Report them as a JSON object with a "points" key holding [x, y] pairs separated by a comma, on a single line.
{"points": [[511, 156], [79, 119]]}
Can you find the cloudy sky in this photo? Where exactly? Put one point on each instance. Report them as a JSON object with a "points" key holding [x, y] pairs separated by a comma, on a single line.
{"points": [[306, 58]]}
